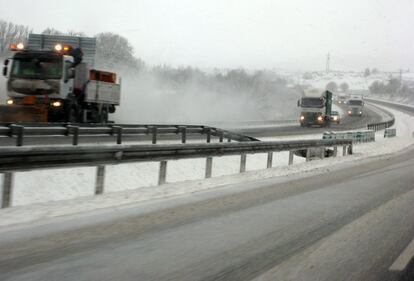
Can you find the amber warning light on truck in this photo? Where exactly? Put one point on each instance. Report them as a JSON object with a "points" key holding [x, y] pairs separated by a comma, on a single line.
{"points": [[62, 48], [17, 47]]}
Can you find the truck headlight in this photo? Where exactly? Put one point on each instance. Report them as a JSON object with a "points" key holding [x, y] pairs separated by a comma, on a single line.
{"points": [[56, 104], [10, 102], [349, 112], [320, 118], [58, 47], [335, 118], [302, 118]]}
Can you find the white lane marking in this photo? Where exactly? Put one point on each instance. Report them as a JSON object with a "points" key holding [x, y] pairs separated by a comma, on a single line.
{"points": [[402, 261]]}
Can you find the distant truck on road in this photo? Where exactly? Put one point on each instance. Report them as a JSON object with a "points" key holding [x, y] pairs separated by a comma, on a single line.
{"points": [[316, 108], [342, 98], [355, 106], [53, 80]]}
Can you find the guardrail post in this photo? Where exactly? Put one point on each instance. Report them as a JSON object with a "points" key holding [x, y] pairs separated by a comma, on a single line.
{"points": [[75, 131], [208, 133], [100, 179], [18, 130], [183, 134], [344, 150], [117, 130], [269, 160], [221, 136], [154, 135], [290, 157], [243, 159], [322, 152], [308, 154], [162, 177], [350, 149], [209, 167], [335, 152], [7, 189]]}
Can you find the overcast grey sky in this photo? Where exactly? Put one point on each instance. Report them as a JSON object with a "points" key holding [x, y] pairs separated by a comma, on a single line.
{"points": [[289, 34]]}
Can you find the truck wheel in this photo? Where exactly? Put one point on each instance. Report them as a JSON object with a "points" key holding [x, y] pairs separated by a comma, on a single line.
{"points": [[104, 116]]}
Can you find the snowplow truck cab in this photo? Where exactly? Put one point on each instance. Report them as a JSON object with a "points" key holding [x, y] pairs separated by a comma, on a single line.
{"points": [[52, 80]]}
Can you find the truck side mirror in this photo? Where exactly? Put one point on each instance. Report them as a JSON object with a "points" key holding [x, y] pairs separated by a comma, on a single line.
{"points": [[6, 62], [298, 103]]}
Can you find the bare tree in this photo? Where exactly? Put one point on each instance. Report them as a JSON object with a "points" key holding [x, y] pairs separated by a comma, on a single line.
{"points": [[75, 33], [11, 33], [52, 31], [331, 86], [344, 86], [113, 50]]}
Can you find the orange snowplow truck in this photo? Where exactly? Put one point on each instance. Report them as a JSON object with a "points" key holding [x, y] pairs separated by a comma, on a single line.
{"points": [[53, 80]]}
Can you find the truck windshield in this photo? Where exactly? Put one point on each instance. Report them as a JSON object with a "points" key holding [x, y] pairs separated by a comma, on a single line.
{"points": [[312, 102], [37, 68], [355, 102]]}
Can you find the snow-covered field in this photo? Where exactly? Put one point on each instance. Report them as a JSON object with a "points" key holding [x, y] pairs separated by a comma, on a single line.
{"points": [[356, 81], [37, 195]]}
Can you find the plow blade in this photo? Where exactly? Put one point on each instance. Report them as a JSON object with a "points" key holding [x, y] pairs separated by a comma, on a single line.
{"points": [[23, 113]]}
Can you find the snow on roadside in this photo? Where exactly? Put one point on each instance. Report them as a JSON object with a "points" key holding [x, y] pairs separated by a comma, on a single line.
{"points": [[131, 183], [396, 99]]}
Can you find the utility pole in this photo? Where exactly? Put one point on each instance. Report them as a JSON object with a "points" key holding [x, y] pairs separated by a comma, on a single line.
{"points": [[328, 58]]}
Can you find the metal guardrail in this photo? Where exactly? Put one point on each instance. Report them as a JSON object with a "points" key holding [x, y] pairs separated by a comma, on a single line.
{"points": [[75, 131], [14, 159], [381, 125]]}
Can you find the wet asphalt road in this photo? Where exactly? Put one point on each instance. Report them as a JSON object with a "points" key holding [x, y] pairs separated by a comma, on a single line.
{"points": [[350, 224], [346, 224]]}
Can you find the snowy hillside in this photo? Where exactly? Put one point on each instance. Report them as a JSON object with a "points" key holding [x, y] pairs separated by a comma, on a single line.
{"points": [[355, 80]]}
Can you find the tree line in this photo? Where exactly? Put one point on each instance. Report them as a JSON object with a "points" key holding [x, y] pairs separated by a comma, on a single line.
{"points": [[113, 50], [115, 53], [392, 86]]}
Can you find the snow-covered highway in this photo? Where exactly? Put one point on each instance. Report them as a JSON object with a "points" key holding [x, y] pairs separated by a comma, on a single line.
{"points": [[348, 221]]}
